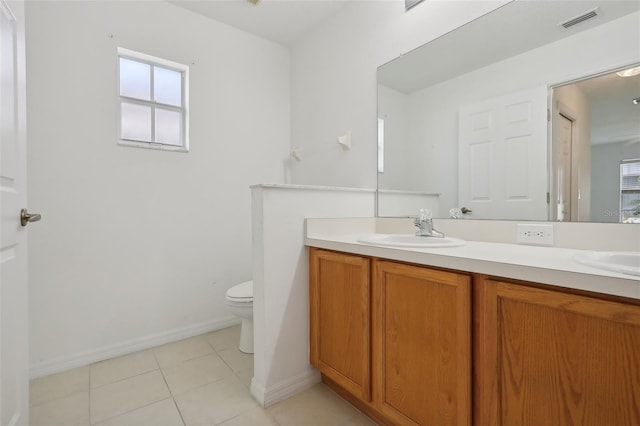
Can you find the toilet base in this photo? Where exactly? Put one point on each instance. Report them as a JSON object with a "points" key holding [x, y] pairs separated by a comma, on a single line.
{"points": [[246, 336]]}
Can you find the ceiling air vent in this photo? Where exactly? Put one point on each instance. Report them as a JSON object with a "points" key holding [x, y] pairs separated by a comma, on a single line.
{"points": [[580, 18]]}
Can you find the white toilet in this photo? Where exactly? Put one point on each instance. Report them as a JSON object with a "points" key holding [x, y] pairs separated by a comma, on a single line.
{"points": [[240, 299]]}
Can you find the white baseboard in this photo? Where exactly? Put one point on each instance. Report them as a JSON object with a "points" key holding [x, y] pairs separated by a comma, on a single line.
{"points": [[68, 362], [284, 389]]}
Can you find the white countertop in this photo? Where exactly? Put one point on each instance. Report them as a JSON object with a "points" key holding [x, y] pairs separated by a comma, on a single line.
{"points": [[546, 265]]}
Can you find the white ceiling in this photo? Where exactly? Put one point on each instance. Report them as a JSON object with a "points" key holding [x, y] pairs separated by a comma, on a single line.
{"points": [[281, 21]]}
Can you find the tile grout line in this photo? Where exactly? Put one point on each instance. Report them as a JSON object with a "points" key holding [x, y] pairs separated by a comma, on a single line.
{"points": [[131, 411], [175, 404], [215, 351], [229, 365], [189, 360], [127, 378], [54, 399], [124, 378], [173, 399], [197, 387], [184, 360]]}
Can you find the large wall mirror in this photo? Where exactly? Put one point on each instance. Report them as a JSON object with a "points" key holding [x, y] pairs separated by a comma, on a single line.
{"points": [[531, 112]]}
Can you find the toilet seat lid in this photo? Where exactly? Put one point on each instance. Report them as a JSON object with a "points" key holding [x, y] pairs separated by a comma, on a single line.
{"points": [[241, 291]]}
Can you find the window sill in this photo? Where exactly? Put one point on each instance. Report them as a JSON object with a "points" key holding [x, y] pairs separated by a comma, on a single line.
{"points": [[151, 145]]}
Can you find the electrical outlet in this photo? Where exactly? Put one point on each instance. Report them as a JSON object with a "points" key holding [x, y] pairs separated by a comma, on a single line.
{"points": [[535, 234]]}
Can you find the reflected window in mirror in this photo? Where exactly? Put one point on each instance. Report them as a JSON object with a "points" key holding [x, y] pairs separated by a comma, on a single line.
{"points": [[380, 145], [630, 191]]}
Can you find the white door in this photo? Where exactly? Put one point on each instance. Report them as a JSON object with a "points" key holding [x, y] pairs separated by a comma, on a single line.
{"points": [[502, 156], [562, 131], [14, 377]]}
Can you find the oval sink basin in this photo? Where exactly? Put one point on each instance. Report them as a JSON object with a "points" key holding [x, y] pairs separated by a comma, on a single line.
{"points": [[625, 262], [410, 240]]}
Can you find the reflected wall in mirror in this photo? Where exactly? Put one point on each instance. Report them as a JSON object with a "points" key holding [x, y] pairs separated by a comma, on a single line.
{"points": [[470, 118]]}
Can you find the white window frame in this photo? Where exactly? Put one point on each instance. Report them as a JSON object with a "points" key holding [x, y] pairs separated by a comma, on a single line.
{"points": [[184, 109], [380, 145]]}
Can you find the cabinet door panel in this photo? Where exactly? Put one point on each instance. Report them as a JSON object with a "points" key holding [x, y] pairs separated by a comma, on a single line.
{"points": [[340, 319], [557, 358], [421, 344]]}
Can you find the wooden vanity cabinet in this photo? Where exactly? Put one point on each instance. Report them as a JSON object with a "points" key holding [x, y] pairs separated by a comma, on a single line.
{"points": [[547, 357], [421, 338], [413, 345], [340, 319], [398, 338]]}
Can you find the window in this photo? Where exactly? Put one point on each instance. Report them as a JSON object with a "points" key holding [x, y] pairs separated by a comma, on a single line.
{"points": [[630, 191], [152, 96]]}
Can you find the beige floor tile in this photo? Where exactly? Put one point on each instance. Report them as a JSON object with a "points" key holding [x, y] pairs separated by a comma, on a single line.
{"points": [[226, 338], [123, 367], [214, 403], [71, 410], [209, 388], [245, 377], [126, 395], [184, 350], [238, 361], [359, 420], [161, 413], [195, 373], [314, 407], [58, 385], [255, 417]]}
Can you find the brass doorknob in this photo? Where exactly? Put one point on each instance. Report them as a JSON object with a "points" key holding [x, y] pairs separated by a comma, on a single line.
{"points": [[26, 217]]}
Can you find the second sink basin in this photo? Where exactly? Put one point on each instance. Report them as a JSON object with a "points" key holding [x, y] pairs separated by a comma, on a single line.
{"points": [[410, 240], [625, 262]]}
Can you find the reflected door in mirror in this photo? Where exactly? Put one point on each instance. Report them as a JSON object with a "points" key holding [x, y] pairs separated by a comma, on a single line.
{"points": [[502, 170]]}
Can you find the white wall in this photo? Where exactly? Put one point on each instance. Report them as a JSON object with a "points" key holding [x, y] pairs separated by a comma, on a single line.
{"points": [[334, 81], [334, 87], [281, 281], [136, 246]]}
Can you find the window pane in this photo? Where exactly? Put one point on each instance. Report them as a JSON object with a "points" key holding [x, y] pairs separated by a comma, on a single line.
{"points": [[630, 175], [630, 207], [135, 79], [135, 122], [630, 167], [167, 86], [168, 125]]}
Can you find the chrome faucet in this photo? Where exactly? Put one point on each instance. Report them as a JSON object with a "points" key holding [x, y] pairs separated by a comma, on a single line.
{"points": [[425, 225]]}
